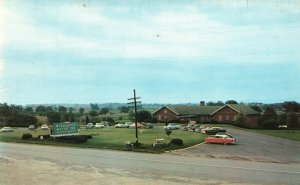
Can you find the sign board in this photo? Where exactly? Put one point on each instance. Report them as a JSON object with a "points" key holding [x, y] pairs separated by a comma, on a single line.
{"points": [[64, 129]]}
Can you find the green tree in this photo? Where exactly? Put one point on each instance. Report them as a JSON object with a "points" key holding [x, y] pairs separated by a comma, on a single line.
{"points": [[104, 110], [49, 109], [215, 103], [282, 119], [5, 113], [124, 109], [269, 119], [87, 120], [94, 106], [256, 107], [131, 115], [240, 120], [53, 117], [292, 120], [291, 106], [62, 109], [28, 110], [231, 102], [168, 131], [143, 115], [93, 113], [81, 111], [41, 110]]}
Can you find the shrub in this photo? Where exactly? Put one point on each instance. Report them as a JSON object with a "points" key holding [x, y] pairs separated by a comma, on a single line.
{"points": [[178, 142], [26, 136], [270, 124], [81, 139], [44, 136], [88, 136], [72, 139], [168, 131]]}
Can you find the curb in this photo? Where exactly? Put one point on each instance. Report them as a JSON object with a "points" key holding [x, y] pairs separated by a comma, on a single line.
{"points": [[187, 147]]}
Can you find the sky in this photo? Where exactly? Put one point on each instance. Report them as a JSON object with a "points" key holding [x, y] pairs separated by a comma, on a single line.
{"points": [[169, 51]]}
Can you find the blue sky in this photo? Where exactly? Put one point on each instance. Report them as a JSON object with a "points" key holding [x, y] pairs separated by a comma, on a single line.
{"points": [[169, 51]]}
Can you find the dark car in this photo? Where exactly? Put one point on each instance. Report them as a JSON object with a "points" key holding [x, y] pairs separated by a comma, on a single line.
{"points": [[214, 130]]}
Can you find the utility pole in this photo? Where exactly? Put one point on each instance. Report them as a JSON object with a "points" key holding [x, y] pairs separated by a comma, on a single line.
{"points": [[135, 113]]}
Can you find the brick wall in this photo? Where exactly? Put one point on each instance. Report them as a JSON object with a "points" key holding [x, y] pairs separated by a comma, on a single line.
{"points": [[165, 114]]}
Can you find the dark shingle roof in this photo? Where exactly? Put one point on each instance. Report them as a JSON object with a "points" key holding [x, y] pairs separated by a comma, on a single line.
{"points": [[185, 110], [243, 109], [194, 110]]}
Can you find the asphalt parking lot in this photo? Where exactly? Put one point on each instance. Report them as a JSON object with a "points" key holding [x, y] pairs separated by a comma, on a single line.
{"points": [[250, 147]]}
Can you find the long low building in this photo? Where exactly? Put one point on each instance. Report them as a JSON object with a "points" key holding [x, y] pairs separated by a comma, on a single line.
{"points": [[208, 114]]}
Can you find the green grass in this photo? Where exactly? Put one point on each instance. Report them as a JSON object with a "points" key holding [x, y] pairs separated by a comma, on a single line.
{"points": [[113, 138], [287, 134]]}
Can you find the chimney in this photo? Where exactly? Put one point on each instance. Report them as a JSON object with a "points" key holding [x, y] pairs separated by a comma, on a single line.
{"points": [[202, 103]]}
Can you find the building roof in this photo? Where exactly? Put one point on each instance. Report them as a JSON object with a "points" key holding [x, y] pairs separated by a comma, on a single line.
{"points": [[184, 110]]}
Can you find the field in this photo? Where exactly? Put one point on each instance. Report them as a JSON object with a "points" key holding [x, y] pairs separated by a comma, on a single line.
{"points": [[115, 138]]}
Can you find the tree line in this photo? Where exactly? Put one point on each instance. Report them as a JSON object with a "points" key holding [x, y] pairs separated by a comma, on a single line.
{"points": [[16, 115]]}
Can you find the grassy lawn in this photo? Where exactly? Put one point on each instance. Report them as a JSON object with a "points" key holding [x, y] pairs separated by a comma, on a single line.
{"points": [[114, 138], [287, 134]]}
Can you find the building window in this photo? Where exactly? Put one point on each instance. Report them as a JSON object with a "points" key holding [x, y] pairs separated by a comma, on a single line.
{"points": [[220, 118], [165, 111], [227, 118], [159, 117]]}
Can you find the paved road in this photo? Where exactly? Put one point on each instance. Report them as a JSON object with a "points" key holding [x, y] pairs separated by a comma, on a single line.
{"points": [[58, 163], [250, 147]]}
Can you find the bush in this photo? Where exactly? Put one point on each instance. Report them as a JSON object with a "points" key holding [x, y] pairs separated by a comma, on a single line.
{"points": [[73, 139], [270, 124], [178, 142], [44, 136], [88, 136], [26, 136]]}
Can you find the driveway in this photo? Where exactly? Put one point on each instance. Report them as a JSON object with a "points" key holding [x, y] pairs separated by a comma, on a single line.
{"points": [[250, 147]]}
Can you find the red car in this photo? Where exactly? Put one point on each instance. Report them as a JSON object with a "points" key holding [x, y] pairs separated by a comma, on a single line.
{"points": [[221, 138]]}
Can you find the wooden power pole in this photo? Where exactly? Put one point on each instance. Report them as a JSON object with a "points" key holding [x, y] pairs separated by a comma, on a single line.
{"points": [[134, 102]]}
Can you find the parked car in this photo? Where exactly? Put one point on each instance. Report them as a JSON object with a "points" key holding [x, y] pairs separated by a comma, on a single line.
{"points": [[214, 130], [172, 126], [221, 138], [139, 125], [119, 125], [90, 125], [44, 127], [204, 128], [148, 125], [187, 127], [99, 125], [195, 128], [6, 129], [127, 124], [31, 127]]}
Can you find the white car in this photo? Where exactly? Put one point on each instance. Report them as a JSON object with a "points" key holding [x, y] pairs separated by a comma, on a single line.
{"points": [[6, 129], [90, 125], [172, 126], [99, 125], [44, 127], [119, 125]]}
